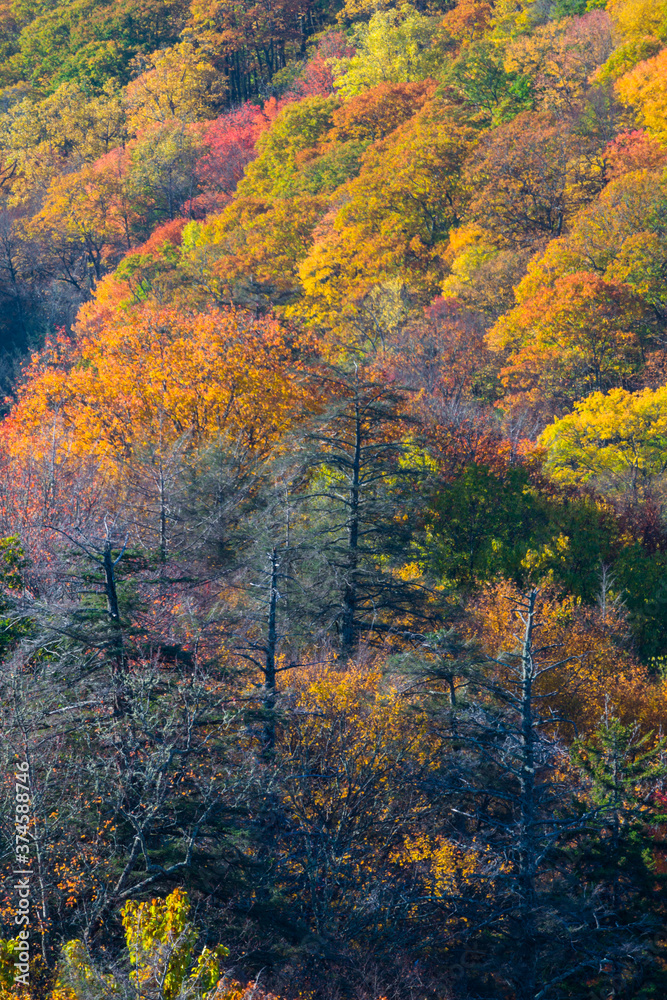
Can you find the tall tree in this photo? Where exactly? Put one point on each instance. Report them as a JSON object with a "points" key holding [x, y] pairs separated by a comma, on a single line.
{"points": [[617, 864], [361, 468], [509, 803]]}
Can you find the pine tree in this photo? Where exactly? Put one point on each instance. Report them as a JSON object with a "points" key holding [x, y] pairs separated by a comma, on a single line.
{"points": [[359, 511], [615, 874]]}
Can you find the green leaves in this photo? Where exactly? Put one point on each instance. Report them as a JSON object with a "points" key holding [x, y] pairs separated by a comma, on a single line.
{"points": [[161, 945], [395, 46], [298, 127], [493, 94], [90, 41], [615, 861]]}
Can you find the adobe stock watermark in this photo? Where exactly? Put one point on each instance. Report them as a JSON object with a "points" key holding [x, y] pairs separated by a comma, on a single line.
{"points": [[22, 873]]}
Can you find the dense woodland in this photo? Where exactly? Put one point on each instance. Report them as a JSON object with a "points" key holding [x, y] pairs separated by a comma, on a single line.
{"points": [[333, 504]]}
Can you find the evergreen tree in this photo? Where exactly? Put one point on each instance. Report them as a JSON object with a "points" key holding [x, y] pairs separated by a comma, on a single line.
{"points": [[615, 874]]}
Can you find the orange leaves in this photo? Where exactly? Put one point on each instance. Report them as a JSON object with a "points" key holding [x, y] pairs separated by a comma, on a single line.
{"points": [[582, 334], [226, 990], [468, 20], [375, 113], [158, 377], [395, 218], [597, 673]]}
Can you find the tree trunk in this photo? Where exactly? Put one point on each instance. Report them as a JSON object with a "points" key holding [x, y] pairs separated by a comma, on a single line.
{"points": [[270, 669], [119, 660], [527, 847], [349, 631]]}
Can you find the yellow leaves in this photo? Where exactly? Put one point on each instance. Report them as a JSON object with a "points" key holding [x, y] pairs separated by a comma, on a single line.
{"points": [[445, 867], [161, 944], [410, 571], [68, 127], [396, 45], [371, 718], [9, 954], [618, 236], [344, 744], [637, 19], [179, 83], [62, 993], [160, 940], [618, 441], [78, 977], [470, 247], [362, 722], [540, 562], [354, 690], [559, 58], [640, 263], [249, 254], [469, 235], [297, 129], [394, 218]]}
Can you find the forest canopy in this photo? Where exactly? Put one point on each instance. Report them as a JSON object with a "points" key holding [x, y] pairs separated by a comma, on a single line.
{"points": [[333, 506]]}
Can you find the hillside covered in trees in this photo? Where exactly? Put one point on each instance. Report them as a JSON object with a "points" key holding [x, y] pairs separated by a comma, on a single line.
{"points": [[333, 500]]}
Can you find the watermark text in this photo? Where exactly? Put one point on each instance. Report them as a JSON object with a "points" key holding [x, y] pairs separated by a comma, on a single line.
{"points": [[22, 873]]}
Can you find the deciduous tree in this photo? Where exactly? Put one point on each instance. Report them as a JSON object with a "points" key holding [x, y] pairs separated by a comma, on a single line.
{"points": [[615, 441], [581, 335], [530, 177]]}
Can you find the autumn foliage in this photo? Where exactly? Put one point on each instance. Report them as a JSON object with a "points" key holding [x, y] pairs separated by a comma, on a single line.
{"points": [[333, 506]]}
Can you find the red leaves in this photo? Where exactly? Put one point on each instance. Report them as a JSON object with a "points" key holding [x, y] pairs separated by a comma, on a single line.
{"points": [[631, 151], [232, 139], [169, 232], [317, 77]]}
